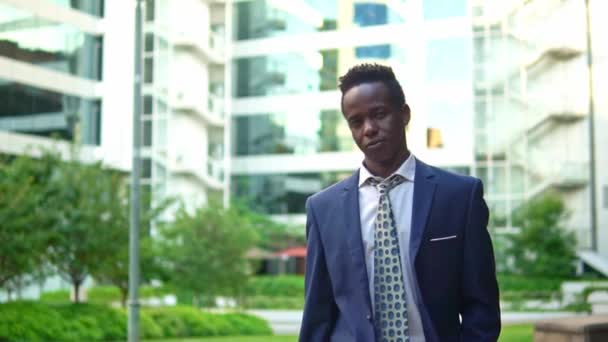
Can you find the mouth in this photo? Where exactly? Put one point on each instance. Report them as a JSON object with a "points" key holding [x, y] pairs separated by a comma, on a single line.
{"points": [[374, 144]]}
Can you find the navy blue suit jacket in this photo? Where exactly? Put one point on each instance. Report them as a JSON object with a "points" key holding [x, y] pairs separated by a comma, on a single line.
{"points": [[458, 292]]}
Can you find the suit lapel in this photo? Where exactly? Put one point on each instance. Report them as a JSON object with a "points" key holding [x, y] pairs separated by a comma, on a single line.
{"points": [[352, 222], [424, 189]]}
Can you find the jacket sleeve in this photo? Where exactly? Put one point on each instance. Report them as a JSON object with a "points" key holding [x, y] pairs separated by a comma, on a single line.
{"points": [[320, 309], [480, 302]]}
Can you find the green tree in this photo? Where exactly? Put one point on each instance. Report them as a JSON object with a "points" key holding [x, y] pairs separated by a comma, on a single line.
{"points": [[542, 247], [114, 267], [24, 218], [83, 204], [204, 252]]}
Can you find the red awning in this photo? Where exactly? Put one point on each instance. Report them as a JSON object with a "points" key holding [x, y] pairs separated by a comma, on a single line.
{"points": [[294, 252]]}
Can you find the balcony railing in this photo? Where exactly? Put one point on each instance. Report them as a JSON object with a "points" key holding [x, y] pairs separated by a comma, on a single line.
{"points": [[215, 105], [212, 113], [211, 46], [212, 175]]}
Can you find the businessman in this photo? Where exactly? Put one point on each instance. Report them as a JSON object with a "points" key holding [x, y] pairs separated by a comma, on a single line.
{"points": [[399, 251]]}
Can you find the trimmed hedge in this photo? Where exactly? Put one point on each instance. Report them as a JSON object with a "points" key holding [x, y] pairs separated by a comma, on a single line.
{"points": [[102, 294], [183, 321], [32, 321], [275, 286], [265, 302], [516, 283], [35, 321]]}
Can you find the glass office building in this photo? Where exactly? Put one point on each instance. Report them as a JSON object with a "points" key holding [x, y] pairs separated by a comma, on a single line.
{"points": [[289, 139], [498, 90], [39, 105]]}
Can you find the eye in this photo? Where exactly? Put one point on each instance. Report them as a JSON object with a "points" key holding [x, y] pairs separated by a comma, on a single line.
{"points": [[354, 122], [380, 114]]}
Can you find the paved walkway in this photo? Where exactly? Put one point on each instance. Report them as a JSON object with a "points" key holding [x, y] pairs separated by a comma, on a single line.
{"points": [[287, 322]]}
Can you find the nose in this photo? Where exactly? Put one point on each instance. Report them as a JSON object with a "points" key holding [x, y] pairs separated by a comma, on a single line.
{"points": [[369, 128]]}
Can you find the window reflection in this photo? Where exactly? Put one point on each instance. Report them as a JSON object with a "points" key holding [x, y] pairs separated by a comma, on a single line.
{"points": [[300, 133], [49, 44], [304, 72], [449, 59], [282, 193], [92, 7], [444, 9], [271, 18], [36, 111]]}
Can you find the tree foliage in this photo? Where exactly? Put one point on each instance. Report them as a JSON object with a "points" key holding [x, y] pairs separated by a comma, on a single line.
{"points": [[542, 247], [204, 252], [24, 218], [83, 208], [114, 268]]}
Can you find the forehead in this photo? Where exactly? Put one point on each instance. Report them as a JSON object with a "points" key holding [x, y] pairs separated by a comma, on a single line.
{"points": [[366, 94]]}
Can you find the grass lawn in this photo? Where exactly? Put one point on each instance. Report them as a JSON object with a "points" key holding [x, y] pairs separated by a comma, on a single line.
{"points": [[517, 333], [279, 338], [510, 333]]}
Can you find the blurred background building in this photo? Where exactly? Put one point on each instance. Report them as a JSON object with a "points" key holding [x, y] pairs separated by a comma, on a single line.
{"points": [[66, 71], [240, 98], [531, 90], [289, 139]]}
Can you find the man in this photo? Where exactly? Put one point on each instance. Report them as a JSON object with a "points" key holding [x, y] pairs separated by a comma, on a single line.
{"points": [[399, 251]]}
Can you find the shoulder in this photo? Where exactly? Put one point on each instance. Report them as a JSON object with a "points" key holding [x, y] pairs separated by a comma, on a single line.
{"points": [[448, 179], [333, 193]]}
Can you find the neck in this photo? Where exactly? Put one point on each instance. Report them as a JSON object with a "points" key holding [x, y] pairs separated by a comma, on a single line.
{"points": [[385, 169]]}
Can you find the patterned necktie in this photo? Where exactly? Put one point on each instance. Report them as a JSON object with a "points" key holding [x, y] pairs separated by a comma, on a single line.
{"points": [[390, 305]]}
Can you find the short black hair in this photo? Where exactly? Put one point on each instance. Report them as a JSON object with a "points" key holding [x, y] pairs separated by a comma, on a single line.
{"points": [[369, 73]]}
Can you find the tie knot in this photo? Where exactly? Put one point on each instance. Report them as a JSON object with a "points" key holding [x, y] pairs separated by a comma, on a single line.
{"points": [[385, 185]]}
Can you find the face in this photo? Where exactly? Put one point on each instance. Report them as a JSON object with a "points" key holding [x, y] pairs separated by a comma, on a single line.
{"points": [[377, 126]]}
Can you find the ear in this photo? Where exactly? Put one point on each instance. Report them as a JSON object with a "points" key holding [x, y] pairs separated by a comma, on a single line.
{"points": [[405, 111]]}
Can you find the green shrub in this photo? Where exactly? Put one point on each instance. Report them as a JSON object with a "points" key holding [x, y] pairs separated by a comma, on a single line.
{"points": [[247, 324], [148, 326], [265, 302], [31, 321], [190, 322], [103, 294], [35, 321], [58, 296], [516, 283], [275, 286]]}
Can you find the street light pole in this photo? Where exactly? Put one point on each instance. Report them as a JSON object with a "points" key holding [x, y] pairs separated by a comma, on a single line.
{"points": [[133, 324], [592, 189]]}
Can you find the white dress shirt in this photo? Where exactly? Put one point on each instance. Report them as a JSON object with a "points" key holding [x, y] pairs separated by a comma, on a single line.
{"points": [[401, 198]]}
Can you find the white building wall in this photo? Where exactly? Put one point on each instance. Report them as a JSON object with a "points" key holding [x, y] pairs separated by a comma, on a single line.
{"points": [[118, 69]]}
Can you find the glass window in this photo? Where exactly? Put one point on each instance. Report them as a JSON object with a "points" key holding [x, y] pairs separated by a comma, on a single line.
{"points": [[304, 72], [375, 51], [149, 9], [42, 112], [270, 18], [301, 131], [148, 100], [148, 70], [149, 42], [93, 7], [448, 120], [449, 59], [146, 168], [282, 193], [49, 44], [444, 9], [370, 14], [147, 133]]}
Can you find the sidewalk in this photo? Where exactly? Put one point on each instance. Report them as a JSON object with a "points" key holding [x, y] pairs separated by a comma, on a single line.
{"points": [[287, 322]]}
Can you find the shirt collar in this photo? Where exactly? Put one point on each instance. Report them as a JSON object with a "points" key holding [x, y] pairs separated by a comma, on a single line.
{"points": [[407, 170]]}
